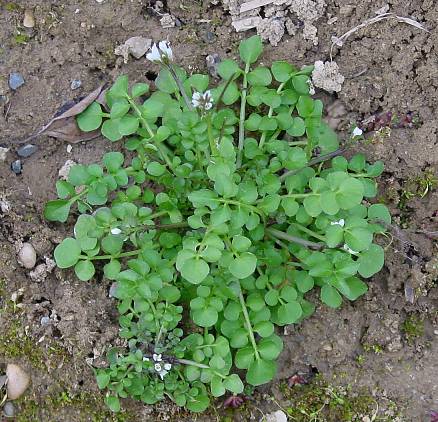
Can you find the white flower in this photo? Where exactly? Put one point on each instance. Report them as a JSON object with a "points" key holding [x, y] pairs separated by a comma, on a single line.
{"points": [[157, 358], [145, 359], [162, 373], [204, 101], [349, 250], [340, 222], [158, 367], [161, 53], [116, 230], [357, 132], [167, 366]]}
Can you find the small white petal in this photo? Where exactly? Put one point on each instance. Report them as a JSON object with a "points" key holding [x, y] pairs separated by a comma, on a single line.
{"points": [[157, 367], [162, 374], [116, 230], [357, 132], [340, 222], [167, 366], [154, 55], [165, 49], [145, 359], [349, 250]]}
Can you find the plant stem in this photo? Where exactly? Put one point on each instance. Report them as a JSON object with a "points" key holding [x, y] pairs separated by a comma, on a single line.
{"points": [[180, 86], [192, 363], [122, 255], [285, 236], [309, 232], [145, 124], [270, 112], [297, 143], [312, 162], [248, 325], [213, 147], [242, 116]]}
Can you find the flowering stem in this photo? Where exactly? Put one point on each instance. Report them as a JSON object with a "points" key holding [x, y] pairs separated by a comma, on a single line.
{"points": [[180, 86], [192, 363], [285, 236], [242, 116]]}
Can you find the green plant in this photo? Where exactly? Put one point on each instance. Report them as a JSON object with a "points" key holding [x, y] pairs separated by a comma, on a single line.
{"points": [[223, 215]]}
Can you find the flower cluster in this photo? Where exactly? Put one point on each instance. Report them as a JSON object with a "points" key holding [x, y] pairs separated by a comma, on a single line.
{"points": [[161, 53], [162, 368], [203, 101]]}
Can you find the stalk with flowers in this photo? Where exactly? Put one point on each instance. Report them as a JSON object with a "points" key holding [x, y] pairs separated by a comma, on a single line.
{"points": [[230, 206]]}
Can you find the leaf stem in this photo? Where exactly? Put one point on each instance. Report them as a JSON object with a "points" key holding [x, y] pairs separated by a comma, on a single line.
{"points": [[270, 112], [248, 325], [285, 236], [192, 363], [242, 116]]}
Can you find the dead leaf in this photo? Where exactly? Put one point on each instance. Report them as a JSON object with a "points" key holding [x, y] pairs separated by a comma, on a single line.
{"points": [[64, 127]]}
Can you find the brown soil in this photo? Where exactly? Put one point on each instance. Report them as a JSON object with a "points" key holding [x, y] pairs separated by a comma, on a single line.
{"points": [[389, 67]]}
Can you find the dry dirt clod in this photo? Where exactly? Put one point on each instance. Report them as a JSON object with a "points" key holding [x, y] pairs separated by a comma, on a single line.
{"points": [[136, 46], [18, 381], [3, 152], [29, 20], [326, 76], [27, 256], [65, 169]]}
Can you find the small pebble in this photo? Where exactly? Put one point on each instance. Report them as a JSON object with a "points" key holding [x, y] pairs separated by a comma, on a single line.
{"points": [[16, 166], [45, 320], [3, 152], [75, 84], [27, 256], [18, 381], [69, 148], [327, 347], [278, 416], [9, 410], [16, 80], [29, 20], [27, 150]]}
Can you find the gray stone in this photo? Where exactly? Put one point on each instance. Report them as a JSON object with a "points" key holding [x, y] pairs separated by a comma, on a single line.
{"points": [[75, 84], [16, 166], [278, 416], [27, 150], [45, 320], [9, 410], [16, 80]]}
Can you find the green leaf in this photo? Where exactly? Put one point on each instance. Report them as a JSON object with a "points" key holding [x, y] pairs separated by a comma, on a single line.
{"points": [[103, 379], [110, 129], [119, 109], [379, 212], [205, 317], [282, 70], [289, 313], [198, 403], [298, 127], [195, 270], [128, 125], [199, 82], [250, 49], [352, 288], [85, 270], [329, 203], [139, 89], [113, 161], [78, 175], [260, 76], [113, 403], [234, 384], [305, 106], [371, 261], [241, 243], [165, 81], [350, 193], [91, 118], [312, 205], [261, 372], [112, 269], [330, 296], [217, 388], [112, 244], [268, 349], [301, 84], [227, 68], [244, 357], [120, 87], [243, 265], [358, 238], [57, 210], [67, 253], [156, 169]]}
